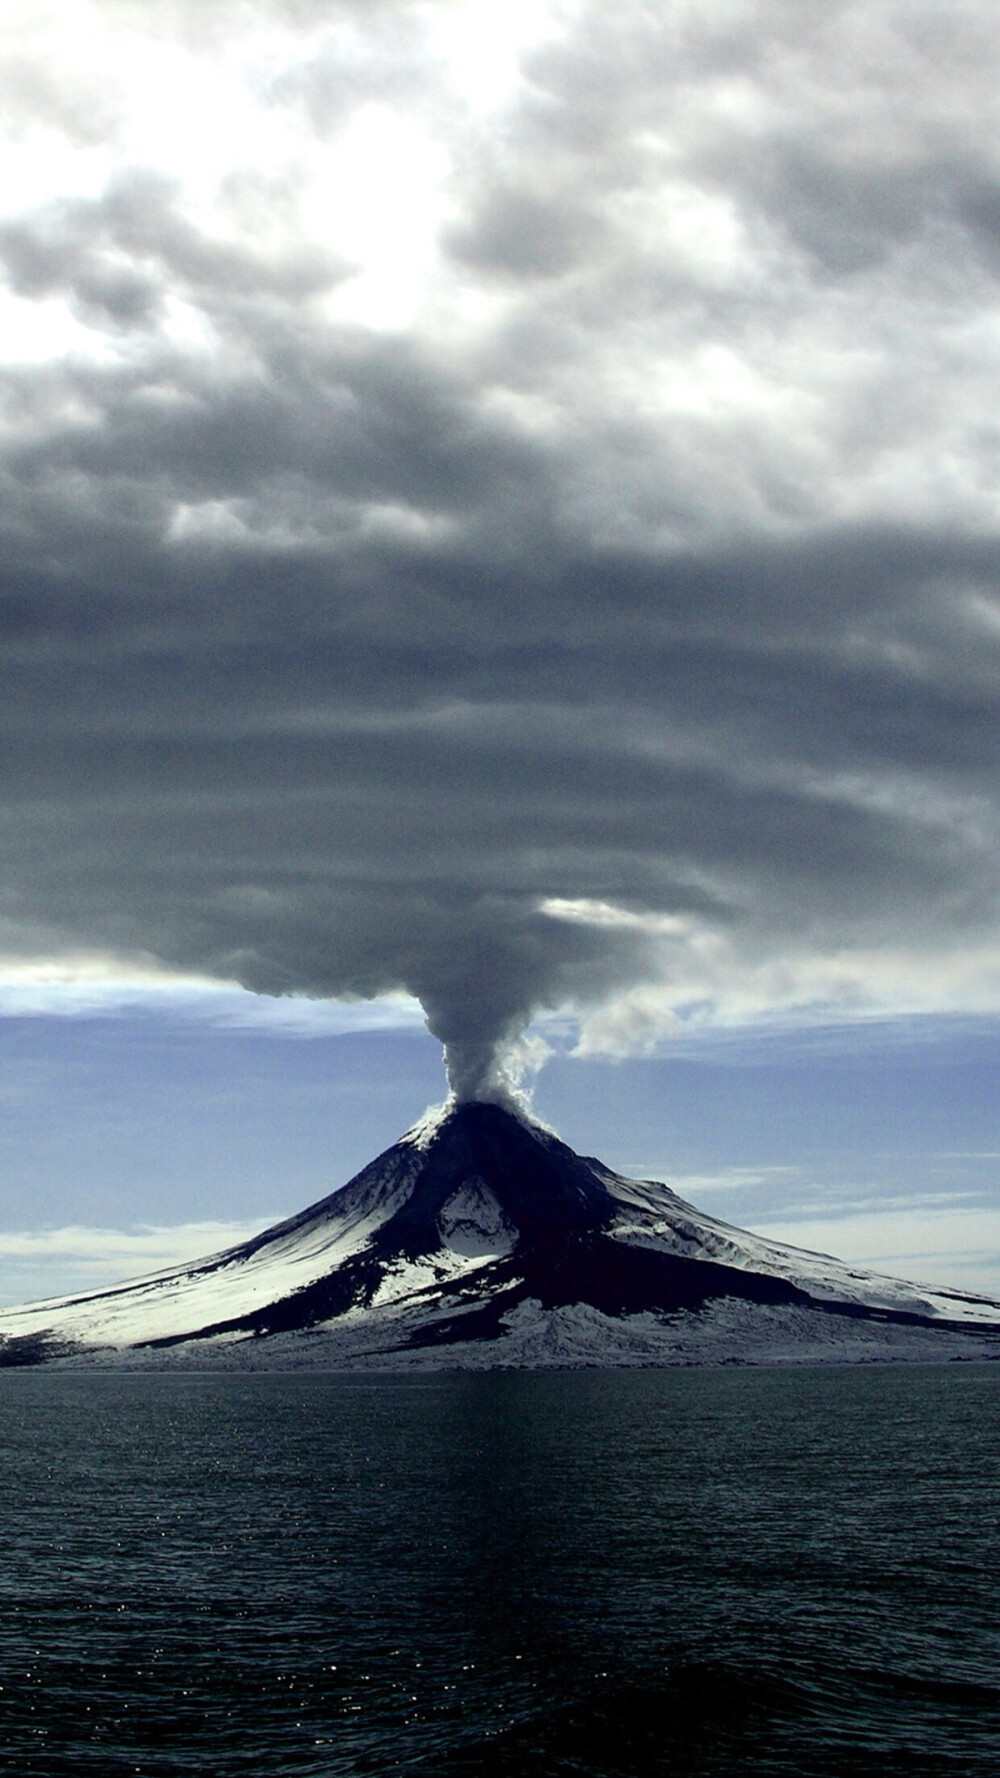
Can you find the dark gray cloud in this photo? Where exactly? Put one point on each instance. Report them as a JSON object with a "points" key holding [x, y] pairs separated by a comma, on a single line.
{"points": [[343, 658]]}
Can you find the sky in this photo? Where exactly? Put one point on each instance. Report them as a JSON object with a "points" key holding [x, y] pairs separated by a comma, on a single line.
{"points": [[499, 526]]}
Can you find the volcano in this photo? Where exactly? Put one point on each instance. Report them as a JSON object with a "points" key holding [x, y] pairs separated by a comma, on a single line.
{"points": [[480, 1240]]}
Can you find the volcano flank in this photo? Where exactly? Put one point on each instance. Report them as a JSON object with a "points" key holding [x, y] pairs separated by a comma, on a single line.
{"points": [[481, 1240]]}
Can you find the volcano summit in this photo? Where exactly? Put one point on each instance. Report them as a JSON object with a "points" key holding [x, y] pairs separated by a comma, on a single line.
{"points": [[481, 1240]]}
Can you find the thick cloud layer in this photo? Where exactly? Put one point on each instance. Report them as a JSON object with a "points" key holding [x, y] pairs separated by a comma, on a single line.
{"points": [[511, 520]]}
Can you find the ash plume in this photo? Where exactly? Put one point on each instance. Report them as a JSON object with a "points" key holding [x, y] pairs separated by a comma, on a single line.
{"points": [[610, 563]]}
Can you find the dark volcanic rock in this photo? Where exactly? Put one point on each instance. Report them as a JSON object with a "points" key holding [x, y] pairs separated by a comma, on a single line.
{"points": [[481, 1232]]}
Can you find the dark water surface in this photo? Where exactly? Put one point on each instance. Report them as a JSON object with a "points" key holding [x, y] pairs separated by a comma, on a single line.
{"points": [[518, 1575]]}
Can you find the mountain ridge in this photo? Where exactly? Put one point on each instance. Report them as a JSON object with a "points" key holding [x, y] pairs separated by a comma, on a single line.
{"points": [[480, 1238]]}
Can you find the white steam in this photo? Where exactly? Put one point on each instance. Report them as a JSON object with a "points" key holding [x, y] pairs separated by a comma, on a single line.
{"points": [[500, 1071]]}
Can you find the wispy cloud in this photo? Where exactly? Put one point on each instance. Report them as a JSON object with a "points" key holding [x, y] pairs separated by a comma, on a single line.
{"points": [[62, 1261], [725, 1179], [95, 988], [932, 1241]]}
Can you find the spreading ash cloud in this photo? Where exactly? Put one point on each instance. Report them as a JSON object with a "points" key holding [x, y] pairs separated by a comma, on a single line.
{"points": [[518, 525]]}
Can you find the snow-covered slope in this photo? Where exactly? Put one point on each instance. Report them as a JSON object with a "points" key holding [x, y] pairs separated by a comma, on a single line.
{"points": [[480, 1239]]}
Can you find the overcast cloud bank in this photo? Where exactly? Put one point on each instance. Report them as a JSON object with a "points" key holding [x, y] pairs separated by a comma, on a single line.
{"points": [[505, 511]]}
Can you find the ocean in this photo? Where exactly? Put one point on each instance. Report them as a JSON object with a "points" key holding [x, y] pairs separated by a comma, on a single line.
{"points": [[513, 1575]]}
